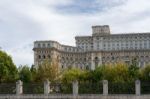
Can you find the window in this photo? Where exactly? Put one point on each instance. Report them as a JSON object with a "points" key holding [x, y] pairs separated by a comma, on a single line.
{"points": [[43, 45], [73, 50], [39, 45], [49, 56], [145, 44], [69, 49], [84, 59], [96, 58], [104, 45], [142, 57], [140, 45], [112, 58], [43, 56], [39, 56], [48, 45], [66, 58], [65, 49], [87, 67], [63, 58]]}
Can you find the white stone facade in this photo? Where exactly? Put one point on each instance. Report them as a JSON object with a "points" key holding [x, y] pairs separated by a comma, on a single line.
{"points": [[100, 48]]}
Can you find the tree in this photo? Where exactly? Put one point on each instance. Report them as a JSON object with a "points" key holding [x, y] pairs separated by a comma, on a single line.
{"points": [[72, 74], [134, 69], [48, 70], [8, 70], [116, 73], [34, 73], [93, 75], [145, 73], [25, 74], [97, 74]]}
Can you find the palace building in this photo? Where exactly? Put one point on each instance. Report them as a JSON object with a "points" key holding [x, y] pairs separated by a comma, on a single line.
{"points": [[101, 47]]}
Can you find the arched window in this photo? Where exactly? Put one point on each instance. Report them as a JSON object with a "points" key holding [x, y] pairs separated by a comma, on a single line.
{"points": [[96, 58], [49, 56], [63, 58], [43, 56], [76, 59], [58, 57], [89, 58], [112, 57], [142, 57], [39, 56], [96, 61], [87, 67], [66, 58]]}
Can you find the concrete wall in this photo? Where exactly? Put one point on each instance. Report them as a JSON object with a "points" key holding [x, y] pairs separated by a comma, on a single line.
{"points": [[86, 96]]}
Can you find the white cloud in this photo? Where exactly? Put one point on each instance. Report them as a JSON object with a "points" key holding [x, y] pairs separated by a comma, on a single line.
{"points": [[24, 21]]}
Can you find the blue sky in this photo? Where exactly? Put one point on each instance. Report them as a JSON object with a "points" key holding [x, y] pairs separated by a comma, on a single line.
{"points": [[24, 21], [87, 6]]}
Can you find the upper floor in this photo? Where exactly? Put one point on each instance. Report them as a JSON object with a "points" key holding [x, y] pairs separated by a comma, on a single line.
{"points": [[102, 40]]}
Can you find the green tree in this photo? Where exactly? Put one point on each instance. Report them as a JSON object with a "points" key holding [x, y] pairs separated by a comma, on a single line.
{"points": [[34, 73], [93, 75], [134, 69], [97, 74], [25, 74], [8, 70], [145, 73]]}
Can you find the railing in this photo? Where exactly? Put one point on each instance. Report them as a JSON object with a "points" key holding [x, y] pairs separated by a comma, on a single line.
{"points": [[33, 88], [121, 88], [145, 87], [75, 88], [61, 88], [7, 88], [90, 87]]}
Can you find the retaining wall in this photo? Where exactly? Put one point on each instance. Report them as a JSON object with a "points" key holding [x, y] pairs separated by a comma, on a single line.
{"points": [[86, 96]]}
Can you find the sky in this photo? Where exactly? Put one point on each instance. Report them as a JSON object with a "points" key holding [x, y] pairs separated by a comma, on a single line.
{"points": [[24, 21]]}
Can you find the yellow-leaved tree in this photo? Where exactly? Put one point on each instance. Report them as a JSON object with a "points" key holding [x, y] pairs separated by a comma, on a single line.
{"points": [[48, 70]]}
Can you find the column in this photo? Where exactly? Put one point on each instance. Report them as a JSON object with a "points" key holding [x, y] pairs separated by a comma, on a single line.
{"points": [[105, 87], [46, 87], [19, 89], [75, 87], [137, 87]]}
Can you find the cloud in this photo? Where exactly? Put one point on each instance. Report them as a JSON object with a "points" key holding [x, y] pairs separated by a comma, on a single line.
{"points": [[88, 6], [24, 21]]}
